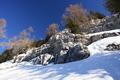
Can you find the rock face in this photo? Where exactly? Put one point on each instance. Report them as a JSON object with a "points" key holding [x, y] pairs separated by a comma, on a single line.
{"points": [[61, 48], [105, 24], [94, 38], [76, 53]]}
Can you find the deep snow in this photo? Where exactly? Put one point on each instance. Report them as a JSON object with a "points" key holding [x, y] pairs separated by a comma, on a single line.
{"points": [[102, 65], [98, 67]]}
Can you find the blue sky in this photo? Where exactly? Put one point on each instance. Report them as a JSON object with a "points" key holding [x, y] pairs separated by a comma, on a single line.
{"points": [[20, 14]]}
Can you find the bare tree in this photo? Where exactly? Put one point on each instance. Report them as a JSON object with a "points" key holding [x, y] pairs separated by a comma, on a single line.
{"points": [[2, 31], [74, 17], [26, 33], [52, 29], [22, 42], [2, 28]]}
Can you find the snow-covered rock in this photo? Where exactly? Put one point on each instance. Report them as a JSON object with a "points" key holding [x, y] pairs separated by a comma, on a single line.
{"points": [[57, 49], [104, 34], [42, 59], [105, 24], [34, 52], [19, 58]]}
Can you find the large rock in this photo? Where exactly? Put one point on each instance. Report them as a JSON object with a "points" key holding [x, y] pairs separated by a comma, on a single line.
{"points": [[34, 52], [43, 59], [59, 49], [62, 43], [77, 53]]}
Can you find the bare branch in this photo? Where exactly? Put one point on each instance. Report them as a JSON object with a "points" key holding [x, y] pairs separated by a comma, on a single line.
{"points": [[2, 28]]}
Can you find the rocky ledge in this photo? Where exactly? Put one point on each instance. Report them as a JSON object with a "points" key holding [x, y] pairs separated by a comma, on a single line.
{"points": [[62, 47]]}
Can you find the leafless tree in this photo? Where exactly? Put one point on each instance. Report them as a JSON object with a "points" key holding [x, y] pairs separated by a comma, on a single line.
{"points": [[74, 17], [22, 42], [2, 28], [52, 29]]}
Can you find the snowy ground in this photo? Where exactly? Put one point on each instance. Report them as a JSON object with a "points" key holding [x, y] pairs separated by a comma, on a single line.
{"points": [[99, 67], [110, 31], [102, 65], [100, 45]]}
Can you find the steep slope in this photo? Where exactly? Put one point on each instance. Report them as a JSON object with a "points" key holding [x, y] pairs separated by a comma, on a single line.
{"points": [[103, 66]]}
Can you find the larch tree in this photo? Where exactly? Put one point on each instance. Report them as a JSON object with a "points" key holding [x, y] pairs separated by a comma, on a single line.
{"points": [[52, 29], [2, 28], [2, 31], [22, 42], [74, 17]]}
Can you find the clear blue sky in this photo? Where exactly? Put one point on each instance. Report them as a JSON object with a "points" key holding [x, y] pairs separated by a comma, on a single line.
{"points": [[39, 13]]}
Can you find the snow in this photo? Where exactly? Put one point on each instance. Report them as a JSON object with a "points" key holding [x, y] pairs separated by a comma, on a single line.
{"points": [[98, 67], [100, 45], [110, 31], [102, 65]]}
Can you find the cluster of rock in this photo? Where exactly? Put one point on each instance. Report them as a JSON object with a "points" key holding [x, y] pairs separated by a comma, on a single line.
{"points": [[101, 25], [99, 36], [113, 47], [105, 24], [62, 47]]}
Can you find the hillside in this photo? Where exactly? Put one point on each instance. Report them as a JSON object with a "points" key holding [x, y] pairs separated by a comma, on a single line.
{"points": [[104, 66], [68, 56]]}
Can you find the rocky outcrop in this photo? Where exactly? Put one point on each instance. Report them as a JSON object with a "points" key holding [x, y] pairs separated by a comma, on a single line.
{"points": [[34, 52], [105, 24], [61, 48], [99, 36], [77, 53], [113, 47], [43, 59]]}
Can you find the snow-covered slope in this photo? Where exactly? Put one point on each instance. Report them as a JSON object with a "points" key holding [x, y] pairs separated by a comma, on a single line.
{"points": [[98, 67], [100, 45], [103, 66]]}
